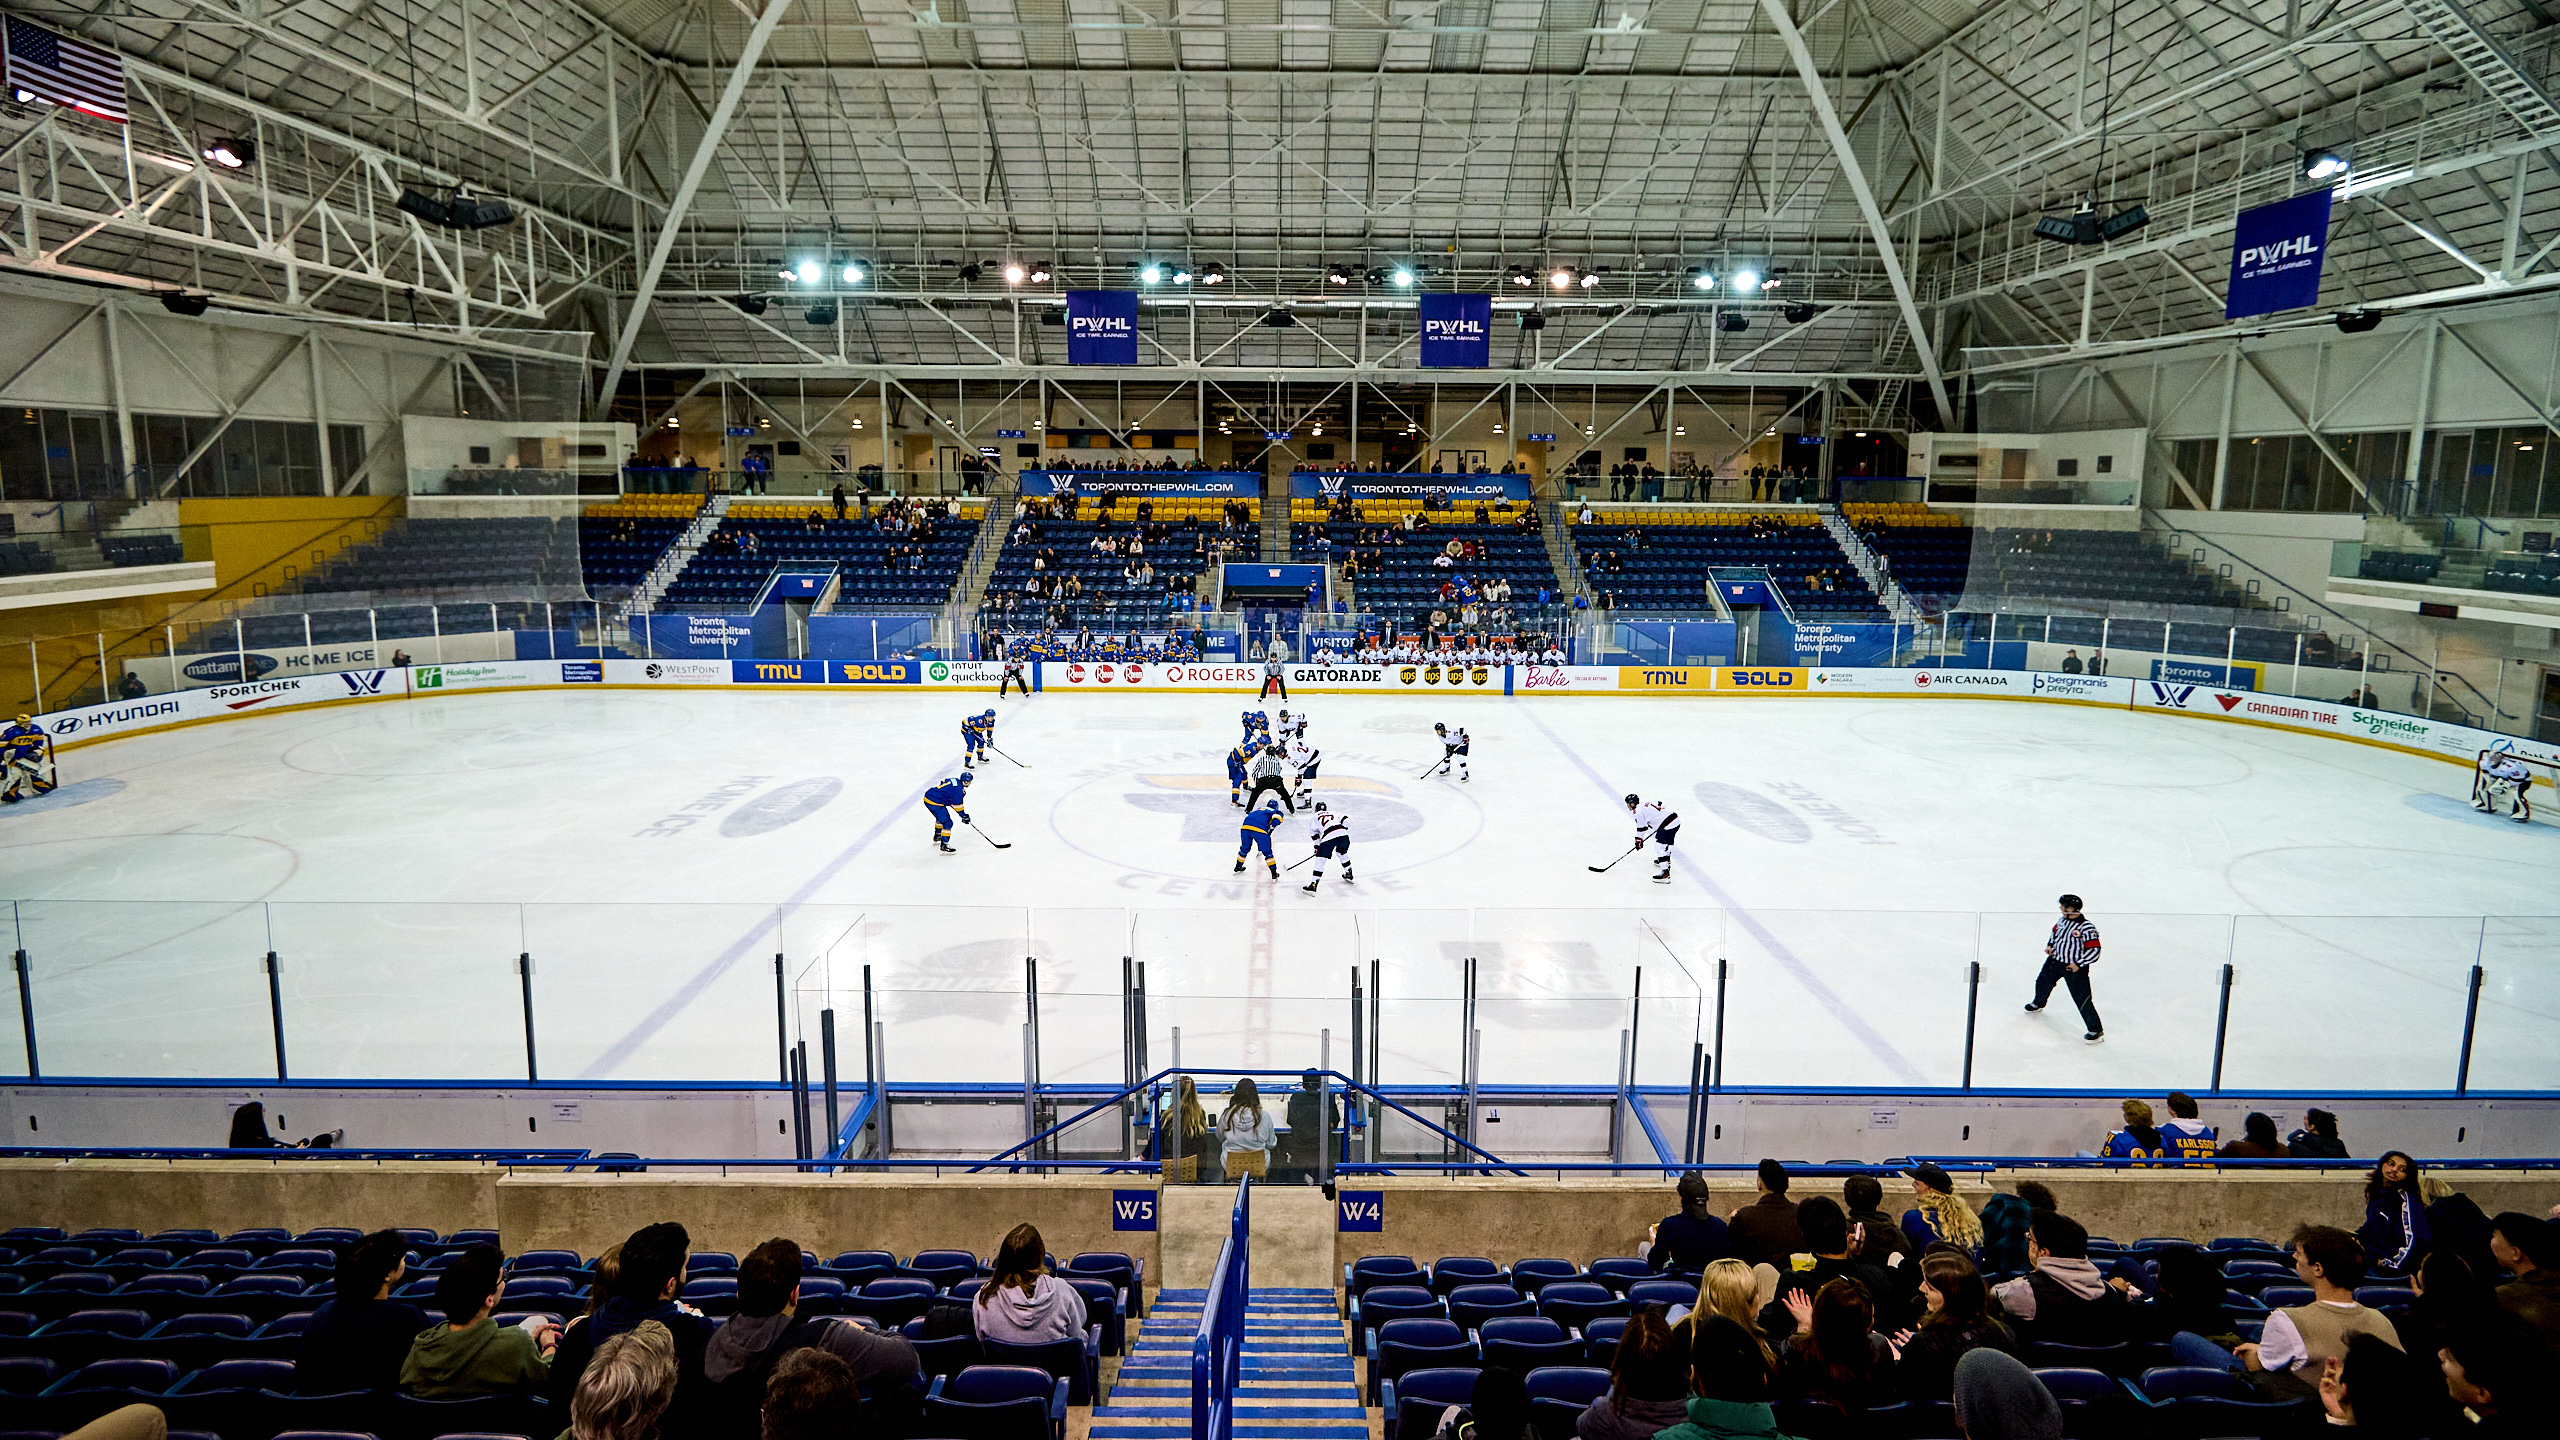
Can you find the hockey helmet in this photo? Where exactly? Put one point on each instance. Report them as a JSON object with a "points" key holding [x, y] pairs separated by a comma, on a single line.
{"points": [[1633, 802], [968, 776], [1440, 729], [1319, 807]]}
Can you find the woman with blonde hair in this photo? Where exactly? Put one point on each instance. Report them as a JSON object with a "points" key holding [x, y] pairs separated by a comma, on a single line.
{"points": [[626, 1387], [1937, 1216], [1184, 1137], [1245, 1133], [1733, 1290]]}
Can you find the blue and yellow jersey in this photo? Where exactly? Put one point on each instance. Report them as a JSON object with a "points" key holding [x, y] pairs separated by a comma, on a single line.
{"points": [[1262, 822], [20, 740], [949, 792]]}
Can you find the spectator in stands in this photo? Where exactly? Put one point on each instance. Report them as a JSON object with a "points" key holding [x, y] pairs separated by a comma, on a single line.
{"points": [[2139, 1139], [1498, 1410], [1998, 1398], [1686, 1241], [2452, 1296], [837, 495], [2187, 1294], [2394, 1233], [2004, 1231], [1022, 1303], [2097, 662], [1828, 1235], [1738, 1292], [2454, 1222], [766, 1334], [470, 1353], [1765, 1231], [649, 1274], [2188, 1136], [2501, 1374], [130, 687], [2070, 662], [1245, 1133], [1648, 1383], [2531, 1249], [1956, 1319], [1729, 1384], [1882, 1237], [249, 1132], [2063, 1299], [1835, 1354], [2317, 1139], [2286, 1362], [357, 1339], [2381, 1391], [627, 1386], [1937, 1214], [2258, 1140], [1309, 1124], [813, 1396]]}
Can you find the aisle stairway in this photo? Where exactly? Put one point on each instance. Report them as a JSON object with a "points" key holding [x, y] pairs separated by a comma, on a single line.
{"points": [[1298, 1383]]}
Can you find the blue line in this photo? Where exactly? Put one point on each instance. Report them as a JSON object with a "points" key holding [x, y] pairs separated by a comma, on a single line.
{"points": [[1849, 1019], [691, 990]]}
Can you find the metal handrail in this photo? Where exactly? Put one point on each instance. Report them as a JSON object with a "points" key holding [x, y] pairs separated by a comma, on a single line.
{"points": [[1003, 1156], [1217, 1348]]}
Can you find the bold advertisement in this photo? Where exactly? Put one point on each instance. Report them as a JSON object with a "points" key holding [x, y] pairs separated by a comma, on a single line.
{"points": [[1461, 489], [1102, 327], [1764, 680], [2276, 251], [873, 672], [1170, 485], [1457, 331]]}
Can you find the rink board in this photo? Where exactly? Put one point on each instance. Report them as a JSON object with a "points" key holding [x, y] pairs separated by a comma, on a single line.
{"points": [[2435, 739]]}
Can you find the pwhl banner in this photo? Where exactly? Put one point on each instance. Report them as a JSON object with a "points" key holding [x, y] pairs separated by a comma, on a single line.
{"points": [[1102, 327], [2276, 254], [1329, 485], [1170, 485], [1457, 331]]}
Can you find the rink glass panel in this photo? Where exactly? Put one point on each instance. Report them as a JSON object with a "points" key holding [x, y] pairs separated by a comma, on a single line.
{"points": [[2157, 985], [654, 992], [174, 990], [400, 991], [2358, 1002]]}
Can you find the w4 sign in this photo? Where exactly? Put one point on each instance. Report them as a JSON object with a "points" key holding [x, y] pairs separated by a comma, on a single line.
{"points": [[1362, 1210], [1133, 1209]]}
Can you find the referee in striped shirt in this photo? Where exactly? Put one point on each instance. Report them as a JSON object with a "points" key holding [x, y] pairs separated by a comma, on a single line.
{"points": [[2068, 954]]}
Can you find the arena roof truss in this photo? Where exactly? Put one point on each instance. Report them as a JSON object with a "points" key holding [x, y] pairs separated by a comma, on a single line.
{"points": [[1883, 161]]}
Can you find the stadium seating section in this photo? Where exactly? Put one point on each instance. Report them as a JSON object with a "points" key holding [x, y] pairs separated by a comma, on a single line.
{"points": [[619, 543], [1664, 555], [25, 557], [1926, 552], [1405, 584], [1109, 597], [2524, 575], [720, 574], [444, 553], [148, 549], [2088, 565], [377, 620], [2417, 568]]}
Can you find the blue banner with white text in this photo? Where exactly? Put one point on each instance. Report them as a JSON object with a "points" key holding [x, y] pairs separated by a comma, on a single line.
{"points": [[1457, 331], [2276, 252], [1102, 327], [1466, 489], [1143, 484]]}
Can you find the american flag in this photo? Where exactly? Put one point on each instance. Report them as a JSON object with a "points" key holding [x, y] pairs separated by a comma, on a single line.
{"points": [[88, 78]]}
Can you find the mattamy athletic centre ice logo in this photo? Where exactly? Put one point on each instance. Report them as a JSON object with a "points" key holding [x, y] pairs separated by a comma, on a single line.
{"points": [[1166, 823]]}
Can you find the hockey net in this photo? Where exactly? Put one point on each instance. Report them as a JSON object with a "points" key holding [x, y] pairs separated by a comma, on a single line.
{"points": [[2542, 792]]}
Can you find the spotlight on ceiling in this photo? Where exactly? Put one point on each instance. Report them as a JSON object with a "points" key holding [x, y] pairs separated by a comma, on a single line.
{"points": [[1521, 276], [2355, 322], [1181, 274], [179, 303], [1746, 281], [2064, 229], [1403, 276], [478, 212], [1040, 272], [1532, 320], [853, 273], [1213, 273], [426, 207], [808, 272], [1151, 273], [1279, 319], [1337, 274], [2123, 222], [970, 272], [1798, 314], [1731, 323], [1589, 279], [749, 304], [1702, 277], [1560, 279], [1014, 273], [822, 313], [2316, 164], [229, 153]]}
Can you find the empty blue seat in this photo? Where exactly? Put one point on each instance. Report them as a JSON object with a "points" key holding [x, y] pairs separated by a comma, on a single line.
{"points": [[1470, 1306], [1402, 1345], [1530, 1276], [1619, 1272], [1076, 1361], [1414, 1401], [1451, 1271], [997, 1402], [1557, 1395], [1574, 1304], [1526, 1342]]}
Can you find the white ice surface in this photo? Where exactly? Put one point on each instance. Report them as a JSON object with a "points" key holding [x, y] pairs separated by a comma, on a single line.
{"points": [[1846, 858]]}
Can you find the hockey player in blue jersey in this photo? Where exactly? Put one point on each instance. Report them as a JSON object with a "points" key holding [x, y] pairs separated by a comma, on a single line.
{"points": [[1258, 825], [22, 752], [1237, 759], [977, 732], [944, 798]]}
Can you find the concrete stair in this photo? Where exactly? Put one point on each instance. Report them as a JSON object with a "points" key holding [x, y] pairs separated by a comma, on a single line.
{"points": [[1299, 1381]]}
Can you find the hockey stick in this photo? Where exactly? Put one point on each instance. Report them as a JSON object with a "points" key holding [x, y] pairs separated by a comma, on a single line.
{"points": [[1008, 757], [1434, 765], [983, 835], [1294, 864], [1612, 865]]}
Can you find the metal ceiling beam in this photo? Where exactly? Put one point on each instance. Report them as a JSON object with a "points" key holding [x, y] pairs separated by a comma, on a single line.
{"points": [[670, 229], [1856, 175], [1261, 375]]}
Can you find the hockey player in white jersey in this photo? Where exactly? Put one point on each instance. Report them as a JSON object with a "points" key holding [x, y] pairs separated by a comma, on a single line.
{"points": [[1291, 725], [1331, 833], [2503, 780], [1453, 746], [1304, 758], [1660, 824]]}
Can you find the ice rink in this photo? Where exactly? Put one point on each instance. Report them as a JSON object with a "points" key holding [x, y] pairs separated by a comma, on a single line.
{"points": [[1845, 859]]}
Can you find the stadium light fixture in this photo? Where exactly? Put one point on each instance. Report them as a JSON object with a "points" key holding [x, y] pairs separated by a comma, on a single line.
{"points": [[1040, 272], [1181, 274], [2355, 322], [1590, 279], [1337, 274], [1151, 273], [1213, 273], [1521, 276], [822, 314], [749, 304], [178, 302], [1403, 276], [853, 273], [808, 272], [1745, 281], [1014, 273], [2325, 165], [970, 272], [1560, 279], [229, 153], [1702, 277]]}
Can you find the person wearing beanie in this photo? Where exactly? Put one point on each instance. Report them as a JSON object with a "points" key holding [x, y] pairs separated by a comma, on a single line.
{"points": [[1685, 1242], [1764, 1232], [1937, 1215], [2139, 1139], [1863, 1197], [1999, 1398]]}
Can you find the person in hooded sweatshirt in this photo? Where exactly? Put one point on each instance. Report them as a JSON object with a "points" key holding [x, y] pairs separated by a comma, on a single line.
{"points": [[1729, 1383], [2063, 1300], [1648, 1384], [743, 1353], [472, 1354], [358, 1338], [1687, 1241], [1999, 1398], [1024, 1304], [651, 1272]]}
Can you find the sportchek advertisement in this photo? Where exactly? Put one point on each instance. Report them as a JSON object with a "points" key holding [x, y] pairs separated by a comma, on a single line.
{"points": [[217, 702]]}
